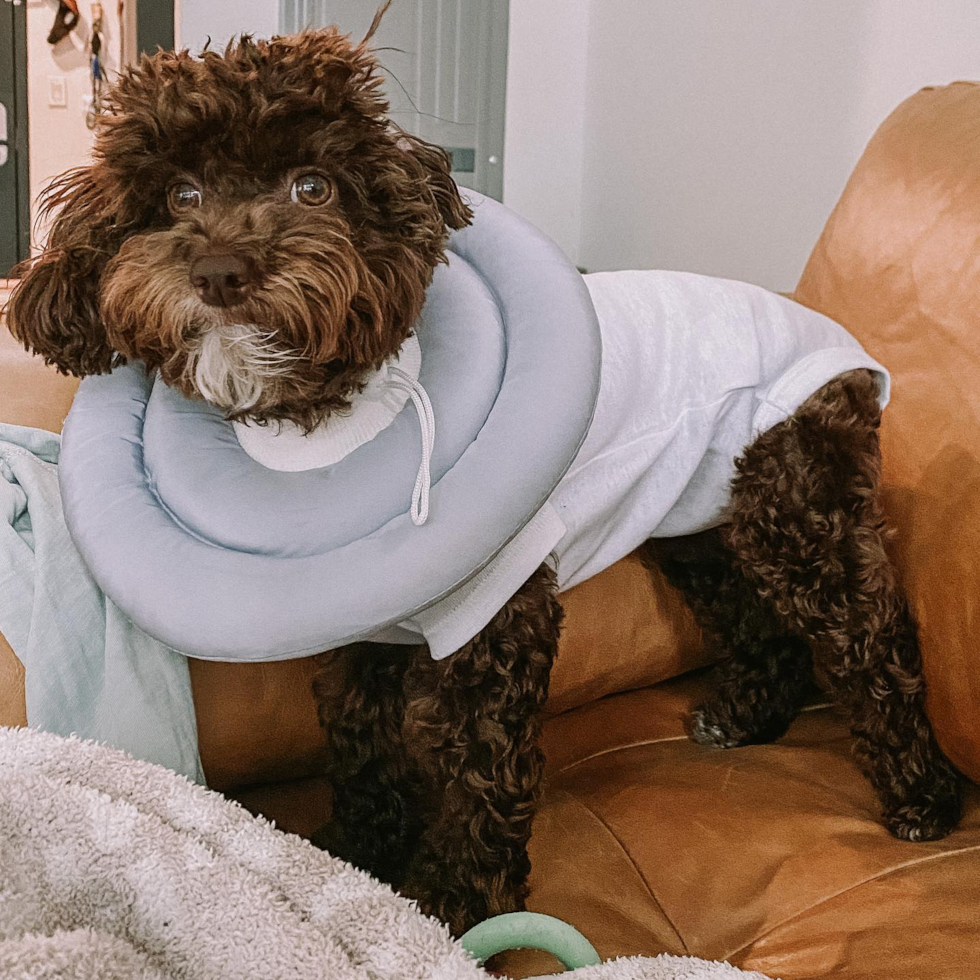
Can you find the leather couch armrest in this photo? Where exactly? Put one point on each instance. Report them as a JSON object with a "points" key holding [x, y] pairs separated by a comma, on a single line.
{"points": [[898, 265]]}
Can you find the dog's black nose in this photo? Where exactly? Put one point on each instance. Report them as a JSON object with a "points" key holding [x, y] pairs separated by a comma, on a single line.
{"points": [[221, 279]]}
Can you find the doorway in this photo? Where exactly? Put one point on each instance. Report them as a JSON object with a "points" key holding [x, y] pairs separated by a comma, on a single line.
{"points": [[446, 62], [15, 231]]}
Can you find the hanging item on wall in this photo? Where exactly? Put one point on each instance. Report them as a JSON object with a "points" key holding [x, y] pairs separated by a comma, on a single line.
{"points": [[95, 60], [65, 21]]}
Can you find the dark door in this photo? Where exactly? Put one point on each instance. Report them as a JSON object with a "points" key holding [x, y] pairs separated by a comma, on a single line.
{"points": [[155, 25], [14, 182]]}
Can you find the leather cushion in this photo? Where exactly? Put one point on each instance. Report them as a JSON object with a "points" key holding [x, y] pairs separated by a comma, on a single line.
{"points": [[898, 265], [770, 856], [13, 708]]}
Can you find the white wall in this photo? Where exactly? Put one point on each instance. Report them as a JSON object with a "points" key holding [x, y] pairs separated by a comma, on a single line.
{"points": [[716, 136], [58, 136], [544, 137], [197, 20]]}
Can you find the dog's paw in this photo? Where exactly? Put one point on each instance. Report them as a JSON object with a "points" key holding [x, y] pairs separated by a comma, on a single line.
{"points": [[707, 729], [919, 822]]}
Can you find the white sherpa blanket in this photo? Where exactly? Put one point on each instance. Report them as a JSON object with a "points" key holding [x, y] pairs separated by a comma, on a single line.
{"points": [[114, 869]]}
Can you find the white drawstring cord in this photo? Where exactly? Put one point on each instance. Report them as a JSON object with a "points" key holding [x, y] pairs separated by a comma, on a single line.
{"points": [[427, 422]]}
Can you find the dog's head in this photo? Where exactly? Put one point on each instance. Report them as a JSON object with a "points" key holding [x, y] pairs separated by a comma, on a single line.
{"points": [[253, 226]]}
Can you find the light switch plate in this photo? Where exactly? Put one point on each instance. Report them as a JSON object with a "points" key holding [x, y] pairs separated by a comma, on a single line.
{"points": [[57, 91]]}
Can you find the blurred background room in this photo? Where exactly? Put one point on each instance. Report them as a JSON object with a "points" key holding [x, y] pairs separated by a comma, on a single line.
{"points": [[707, 136]]}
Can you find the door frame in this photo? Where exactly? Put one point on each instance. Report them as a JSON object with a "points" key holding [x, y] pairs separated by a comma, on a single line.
{"points": [[489, 169], [17, 132]]}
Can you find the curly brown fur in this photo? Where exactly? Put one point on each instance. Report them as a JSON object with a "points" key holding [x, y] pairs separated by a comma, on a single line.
{"points": [[333, 289], [453, 743], [360, 697], [805, 560], [767, 671]]}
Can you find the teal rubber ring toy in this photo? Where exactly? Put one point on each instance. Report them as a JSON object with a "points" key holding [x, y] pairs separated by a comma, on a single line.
{"points": [[530, 930]]}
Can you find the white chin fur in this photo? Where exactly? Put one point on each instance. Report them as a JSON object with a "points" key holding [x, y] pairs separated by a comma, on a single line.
{"points": [[233, 364]]}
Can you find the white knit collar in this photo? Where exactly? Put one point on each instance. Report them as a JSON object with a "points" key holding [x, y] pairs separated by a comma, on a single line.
{"points": [[284, 447]]}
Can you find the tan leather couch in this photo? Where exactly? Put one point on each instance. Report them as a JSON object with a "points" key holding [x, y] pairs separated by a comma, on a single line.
{"points": [[771, 856]]}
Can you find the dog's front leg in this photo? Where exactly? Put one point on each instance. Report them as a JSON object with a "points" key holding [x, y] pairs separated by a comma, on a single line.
{"points": [[360, 701], [472, 722]]}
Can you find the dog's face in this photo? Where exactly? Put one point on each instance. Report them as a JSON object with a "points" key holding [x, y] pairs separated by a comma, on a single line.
{"points": [[252, 226]]}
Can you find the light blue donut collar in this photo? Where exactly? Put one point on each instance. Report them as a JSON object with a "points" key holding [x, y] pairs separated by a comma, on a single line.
{"points": [[220, 557]]}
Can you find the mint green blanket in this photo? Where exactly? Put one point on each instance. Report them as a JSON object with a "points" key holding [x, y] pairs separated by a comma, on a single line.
{"points": [[89, 670]]}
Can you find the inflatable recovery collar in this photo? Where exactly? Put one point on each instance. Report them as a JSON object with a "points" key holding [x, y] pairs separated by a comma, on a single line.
{"points": [[219, 557]]}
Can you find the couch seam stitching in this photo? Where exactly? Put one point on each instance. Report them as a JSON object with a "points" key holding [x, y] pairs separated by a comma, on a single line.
{"points": [[622, 748], [859, 884], [633, 864], [657, 741]]}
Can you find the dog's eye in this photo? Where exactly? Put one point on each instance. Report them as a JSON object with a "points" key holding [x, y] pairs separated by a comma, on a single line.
{"points": [[183, 197], [311, 189]]}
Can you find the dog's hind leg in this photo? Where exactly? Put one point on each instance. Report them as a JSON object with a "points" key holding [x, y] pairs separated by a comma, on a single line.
{"points": [[808, 532], [472, 721], [766, 671], [360, 701]]}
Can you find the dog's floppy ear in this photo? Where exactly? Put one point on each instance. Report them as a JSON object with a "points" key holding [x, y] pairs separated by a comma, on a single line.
{"points": [[54, 310], [436, 167]]}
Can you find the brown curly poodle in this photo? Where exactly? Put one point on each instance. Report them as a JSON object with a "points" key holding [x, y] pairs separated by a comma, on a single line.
{"points": [[215, 184]]}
